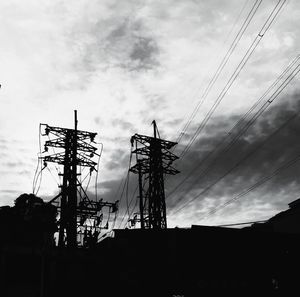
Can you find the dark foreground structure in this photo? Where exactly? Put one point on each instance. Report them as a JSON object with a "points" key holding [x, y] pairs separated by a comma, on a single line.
{"points": [[261, 260], [200, 261]]}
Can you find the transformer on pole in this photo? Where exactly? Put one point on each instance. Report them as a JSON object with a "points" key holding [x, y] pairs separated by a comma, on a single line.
{"points": [[153, 162], [77, 150]]}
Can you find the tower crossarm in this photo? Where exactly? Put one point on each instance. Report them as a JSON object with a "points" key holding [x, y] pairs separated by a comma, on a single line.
{"points": [[146, 140], [63, 131], [59, 158], [144, 167], [60, 143]]}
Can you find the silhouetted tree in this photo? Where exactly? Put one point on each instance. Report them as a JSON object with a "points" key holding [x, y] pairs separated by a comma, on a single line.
{"points": [[29, 221]]}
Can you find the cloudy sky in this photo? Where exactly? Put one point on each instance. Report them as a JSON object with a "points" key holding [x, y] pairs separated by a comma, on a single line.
{"points": [[122, 64]]}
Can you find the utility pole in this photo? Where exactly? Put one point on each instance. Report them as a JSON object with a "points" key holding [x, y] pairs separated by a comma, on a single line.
{"points": [[76, 149], [153, 162]]}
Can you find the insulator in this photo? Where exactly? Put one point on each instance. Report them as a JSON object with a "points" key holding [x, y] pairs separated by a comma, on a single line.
{"points": [[47, 131], [114, 207], [99, 220]]}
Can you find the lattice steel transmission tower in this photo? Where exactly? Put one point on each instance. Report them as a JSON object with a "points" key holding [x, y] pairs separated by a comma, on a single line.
{"points": [[76, 150], [153, 162]]}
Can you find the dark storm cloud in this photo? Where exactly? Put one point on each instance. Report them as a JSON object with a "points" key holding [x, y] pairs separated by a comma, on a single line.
{"points": [[270, 153]]}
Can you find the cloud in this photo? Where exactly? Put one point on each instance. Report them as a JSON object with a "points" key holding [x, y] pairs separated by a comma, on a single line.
{"points": [[116, 38], [269, 153], [118, 160], [123, 124], [144, 54]]}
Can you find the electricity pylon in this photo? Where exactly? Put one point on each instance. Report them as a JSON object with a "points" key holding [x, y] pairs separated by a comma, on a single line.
{"points": [[77, 151], [153, 162]]}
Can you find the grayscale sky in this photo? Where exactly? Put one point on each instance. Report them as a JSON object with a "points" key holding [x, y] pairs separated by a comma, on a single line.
{"points": [[122, 64]]}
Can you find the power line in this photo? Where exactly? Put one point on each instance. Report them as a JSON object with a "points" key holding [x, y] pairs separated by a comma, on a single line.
{"points": [[128, 206], [247, 125], [287, 69], [125, 186], [135, 205], [254, 118], [236, 20], [221, 66], [53, 177], [265, 106], [126, 195], [36, 174], [97, 172], [256, 185], [122, 193], [123, 181], [235, 74], [237, 164]]}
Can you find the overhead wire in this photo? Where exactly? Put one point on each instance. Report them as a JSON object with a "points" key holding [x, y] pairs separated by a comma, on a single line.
{"points": [[136, 201], [259, 183], [123, 181], [255, 116], [236, 165], [236, 20], [247, 125], [128, 206], [241, 122], [222, 65], [287, 69], [56, 167], [97, 172], [124, 187], [126, 180], [39, 176], [57, 182], [235, 74], [38, 162]]}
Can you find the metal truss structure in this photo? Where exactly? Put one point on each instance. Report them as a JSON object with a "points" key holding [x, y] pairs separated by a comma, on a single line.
{"points": [[80, 219], [153, 162]]}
